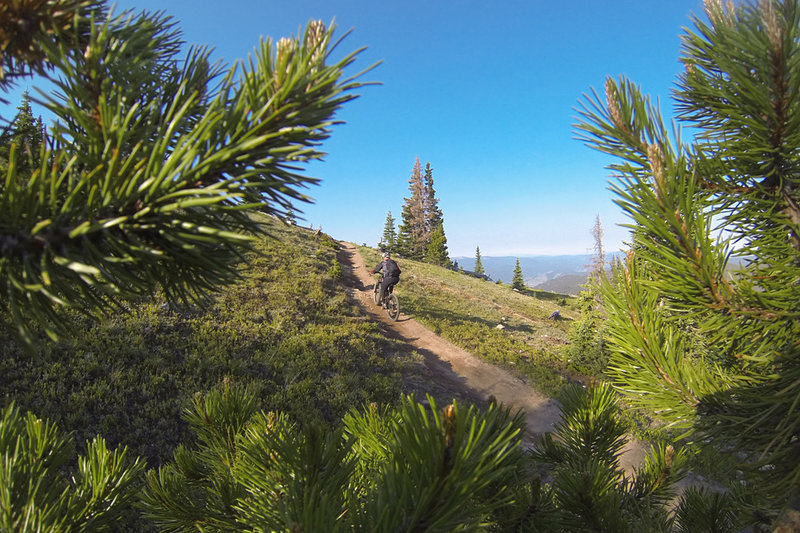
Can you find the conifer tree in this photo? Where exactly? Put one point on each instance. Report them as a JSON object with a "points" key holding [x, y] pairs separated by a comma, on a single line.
{"points": [[739, 93], [436, 252], [404, 244], [598, 257], [421, 219], [413, 231], [389, 238], [436, 246], [433, 215], [27, 135], [518, 282], [478, 264]]}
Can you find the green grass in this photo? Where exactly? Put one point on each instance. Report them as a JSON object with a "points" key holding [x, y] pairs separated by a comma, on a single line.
{"points": [[467, 311], [286, 329]]}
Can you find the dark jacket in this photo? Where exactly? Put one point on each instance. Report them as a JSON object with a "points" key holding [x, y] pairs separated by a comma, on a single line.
{"points": [[388, 268]]}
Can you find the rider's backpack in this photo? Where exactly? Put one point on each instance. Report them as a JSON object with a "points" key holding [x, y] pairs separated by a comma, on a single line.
{"points": [[391, 269]]}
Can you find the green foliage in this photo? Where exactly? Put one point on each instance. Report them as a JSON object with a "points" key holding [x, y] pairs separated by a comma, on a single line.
{"points": [[412, 231], [156, 161], [518, 282], [335, 272], [258, 471], [738, 388], [286, 330], [389, 238], [421, 231], [530, 345], [36, 494], [702, 511], [436, 253], [590, 487], [478, 265], [22, 141], [588, 351], [28, 30], [150, 183]]}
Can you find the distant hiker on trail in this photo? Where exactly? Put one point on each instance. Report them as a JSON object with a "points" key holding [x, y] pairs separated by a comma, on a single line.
{"points": [[391, 274]]}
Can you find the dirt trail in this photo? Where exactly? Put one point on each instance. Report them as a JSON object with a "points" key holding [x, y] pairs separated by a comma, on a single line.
{"points": [[451, 366], [457, 370]]}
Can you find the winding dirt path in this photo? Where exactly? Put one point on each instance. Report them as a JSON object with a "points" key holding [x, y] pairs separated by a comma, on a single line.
{"points": [[452, 367]]}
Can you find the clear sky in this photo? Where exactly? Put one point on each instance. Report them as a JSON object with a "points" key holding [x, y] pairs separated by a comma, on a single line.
{"points": [[485, 91]]}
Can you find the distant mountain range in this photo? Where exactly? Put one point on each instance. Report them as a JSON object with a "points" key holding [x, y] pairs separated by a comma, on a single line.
{"points": [[564, 274]]}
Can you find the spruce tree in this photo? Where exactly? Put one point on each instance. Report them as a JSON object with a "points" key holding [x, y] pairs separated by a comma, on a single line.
{"points": [[404, 244], [436, 252], [421, 218], [25, 135], [412, 232], [433, 215], [389, 238], [739, 93], [436, 246], [518, 282], [478, 264]]}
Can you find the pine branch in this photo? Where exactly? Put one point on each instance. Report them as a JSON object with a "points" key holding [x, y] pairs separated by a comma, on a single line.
{"points": [[157, 164]]}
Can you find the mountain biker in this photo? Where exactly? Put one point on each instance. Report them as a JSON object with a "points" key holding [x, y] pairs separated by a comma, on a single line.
{"points": [[391, 274]]}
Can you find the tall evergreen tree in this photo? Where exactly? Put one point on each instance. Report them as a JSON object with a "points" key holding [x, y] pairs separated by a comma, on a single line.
{"points": [[478, 264], [739, 92], [404, 242], [598, 265], [25, 135], [518, 282], [389, 237], [433, 214], [436, 252], [413, 230]]}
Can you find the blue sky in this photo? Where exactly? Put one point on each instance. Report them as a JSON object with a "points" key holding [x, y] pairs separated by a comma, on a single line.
{"points": [[484, 91]]}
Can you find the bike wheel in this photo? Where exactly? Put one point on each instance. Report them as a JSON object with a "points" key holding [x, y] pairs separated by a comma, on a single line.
{"points": [[376, 294], [392, 306]]}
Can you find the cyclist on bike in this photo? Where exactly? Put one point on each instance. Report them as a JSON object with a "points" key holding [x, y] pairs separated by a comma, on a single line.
{"points": [[391, 274]]}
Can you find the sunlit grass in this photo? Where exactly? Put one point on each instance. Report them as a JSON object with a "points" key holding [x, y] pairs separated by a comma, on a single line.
{"points": [[490, 320], [286, 329]]}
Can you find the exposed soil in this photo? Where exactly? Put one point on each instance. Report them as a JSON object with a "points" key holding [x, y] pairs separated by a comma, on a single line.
{"points": [[455, 369]]}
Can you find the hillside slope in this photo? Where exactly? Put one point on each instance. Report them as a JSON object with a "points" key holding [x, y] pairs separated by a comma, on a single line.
{"points": [[287, 330], [490, 320], [479, 337], [451, 366]]}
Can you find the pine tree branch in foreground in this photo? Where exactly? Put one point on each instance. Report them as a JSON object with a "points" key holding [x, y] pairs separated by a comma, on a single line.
{"points": [[739, 388], [156, 161]]}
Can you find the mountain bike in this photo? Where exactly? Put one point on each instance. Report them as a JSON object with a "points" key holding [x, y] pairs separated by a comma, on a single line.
{"points": [[390, 303]]}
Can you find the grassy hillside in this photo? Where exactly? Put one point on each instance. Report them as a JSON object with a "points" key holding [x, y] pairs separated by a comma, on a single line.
{"points": [[286, 329], [467, 311]]}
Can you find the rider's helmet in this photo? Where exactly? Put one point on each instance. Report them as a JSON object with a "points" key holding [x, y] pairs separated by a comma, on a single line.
{"points": [[386, 255]]}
